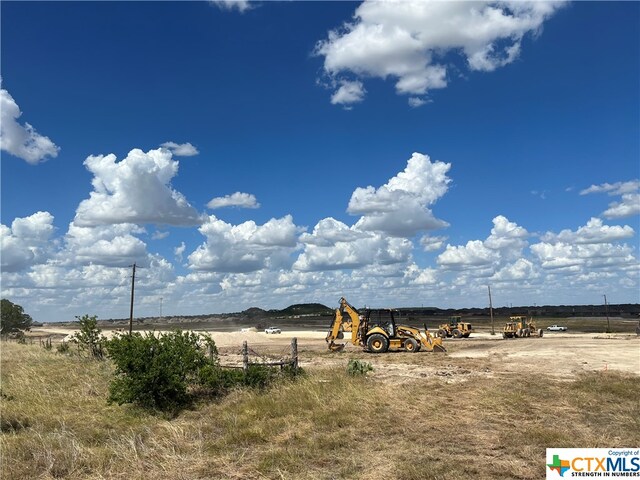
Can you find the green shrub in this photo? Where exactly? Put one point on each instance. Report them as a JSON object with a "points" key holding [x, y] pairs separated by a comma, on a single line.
{"points": [[63, 347], [289, 371], [218, 381], [165, 372], [259, 376], [90, 338], [358, 368], [156, 372]]}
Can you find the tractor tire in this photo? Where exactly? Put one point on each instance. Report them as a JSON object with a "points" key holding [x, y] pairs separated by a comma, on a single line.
{"points": [[456, 333], [377, 343], [540, 332], [505, 336], [410, 345], [467, 335], [442, 333], [519, 333], [526, 332]]}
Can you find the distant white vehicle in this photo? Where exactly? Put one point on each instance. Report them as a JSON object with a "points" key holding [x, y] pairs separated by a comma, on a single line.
{"points": [[556, 328], [272, 330]]}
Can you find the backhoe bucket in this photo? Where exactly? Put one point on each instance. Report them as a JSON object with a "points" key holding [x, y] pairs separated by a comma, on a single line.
{"points": [[432, 344], [336, 347]]}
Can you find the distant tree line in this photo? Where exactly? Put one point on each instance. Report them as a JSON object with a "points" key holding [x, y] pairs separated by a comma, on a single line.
{"points": [[627, 310]]}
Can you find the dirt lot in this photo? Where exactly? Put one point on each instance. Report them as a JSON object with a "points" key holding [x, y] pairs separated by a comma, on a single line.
{"points": [[486, 409], [560, 355]]}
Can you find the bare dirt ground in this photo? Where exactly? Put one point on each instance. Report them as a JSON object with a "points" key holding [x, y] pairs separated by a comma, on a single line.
{"points": [[558, 355]]}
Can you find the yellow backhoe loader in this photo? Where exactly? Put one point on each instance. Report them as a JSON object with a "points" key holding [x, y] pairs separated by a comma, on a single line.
{"points": [[376, 331]]}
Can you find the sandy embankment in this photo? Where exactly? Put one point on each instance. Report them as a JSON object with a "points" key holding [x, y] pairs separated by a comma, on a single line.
{"points": [[222, 339]]}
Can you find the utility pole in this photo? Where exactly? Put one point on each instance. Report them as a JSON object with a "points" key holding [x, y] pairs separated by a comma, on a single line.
{"points": [[606, 309], [133, 284], [493, 332]]}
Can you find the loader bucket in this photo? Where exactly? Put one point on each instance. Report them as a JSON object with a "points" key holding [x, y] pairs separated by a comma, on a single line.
{"points": [[336, 347]]}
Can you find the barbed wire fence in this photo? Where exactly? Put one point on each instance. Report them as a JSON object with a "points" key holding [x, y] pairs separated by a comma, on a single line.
{"points": [[287, 357]]}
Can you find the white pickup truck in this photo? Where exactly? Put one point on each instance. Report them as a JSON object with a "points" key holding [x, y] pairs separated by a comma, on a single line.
{"points": [[556, 328], [272, 330]]}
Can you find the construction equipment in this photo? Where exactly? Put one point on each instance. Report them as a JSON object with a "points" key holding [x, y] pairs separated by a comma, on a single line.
{"points": [[376, 331], [519, 326], [455, 328]]}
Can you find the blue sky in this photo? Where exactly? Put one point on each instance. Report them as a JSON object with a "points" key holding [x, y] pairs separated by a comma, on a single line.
{"points": [[397, 154]]}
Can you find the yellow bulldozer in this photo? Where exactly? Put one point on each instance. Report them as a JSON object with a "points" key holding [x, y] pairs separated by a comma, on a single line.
{"points": [[519, 326], [377, 332], [456, 328]]}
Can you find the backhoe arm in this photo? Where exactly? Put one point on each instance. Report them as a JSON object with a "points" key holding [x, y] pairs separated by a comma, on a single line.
{"points": [[345, 319]]}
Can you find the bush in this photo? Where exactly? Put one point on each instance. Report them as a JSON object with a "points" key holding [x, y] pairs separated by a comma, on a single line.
{"points": [[90, 337], [63, 347], [218, 381], [156, 372], [358, 368], [165, 372]]}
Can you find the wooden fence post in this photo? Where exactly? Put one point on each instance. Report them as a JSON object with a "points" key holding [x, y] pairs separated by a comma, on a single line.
{"points": [[294, 352], [245, 356]]}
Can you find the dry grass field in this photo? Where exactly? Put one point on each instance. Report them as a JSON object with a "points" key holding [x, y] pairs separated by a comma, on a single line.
{"points": [[486, 409]]}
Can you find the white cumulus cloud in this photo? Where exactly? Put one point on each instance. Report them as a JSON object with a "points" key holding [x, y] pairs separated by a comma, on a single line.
{"points": [[237, 199], [333, 245], [431, 244], [240, 5], [19, 140], [179, 251], [505, 243], [246, 247], [108, 245], [416, 102], [400, 207], [159, 235], [593, 232], [507, 237], [135, 190], [26, 242], [181, 149], [618, 188], [421, 276], [406, 40], [630, 198], [582, 256], [348, 93], [473, 254], [521, 269]]}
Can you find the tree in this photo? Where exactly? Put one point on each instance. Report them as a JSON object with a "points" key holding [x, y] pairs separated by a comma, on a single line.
{"points": [[12, 318], [90, 337]]}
